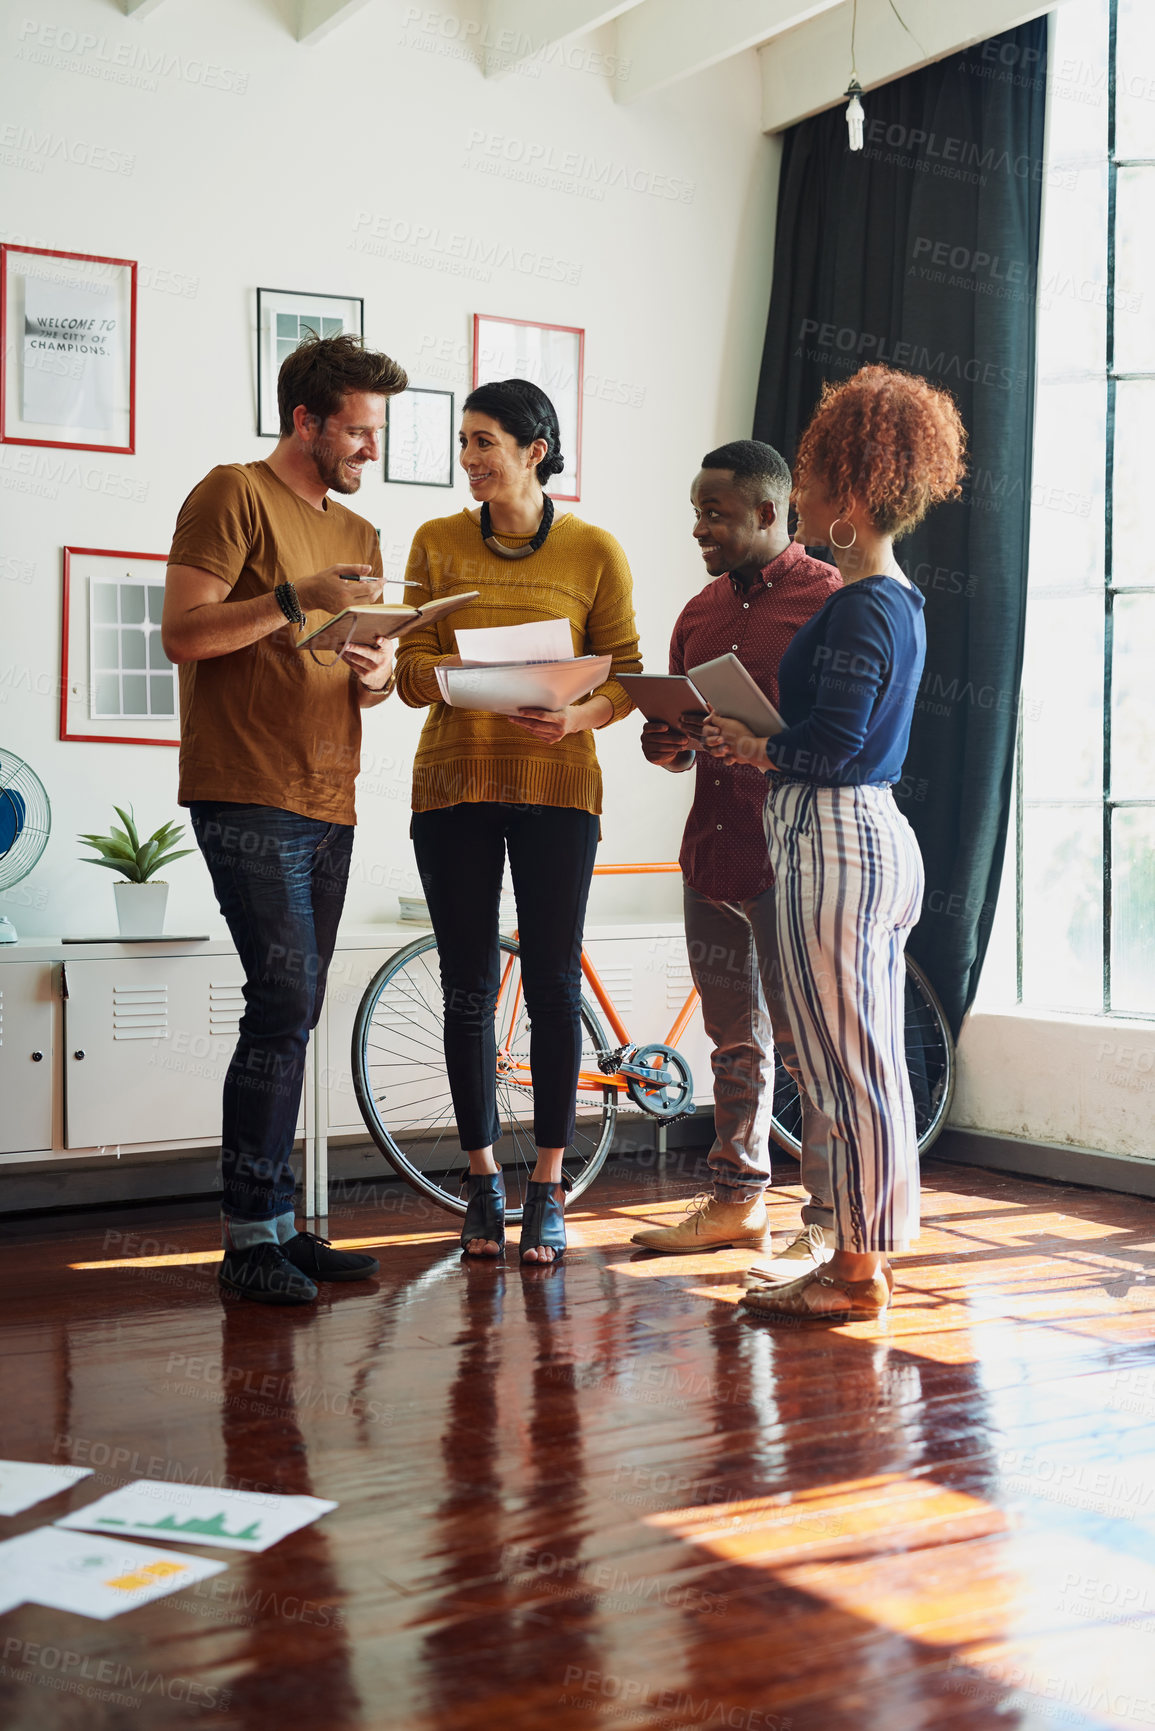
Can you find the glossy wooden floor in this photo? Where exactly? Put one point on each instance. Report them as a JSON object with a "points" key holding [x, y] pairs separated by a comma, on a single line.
{"points": [[599, 1496]]}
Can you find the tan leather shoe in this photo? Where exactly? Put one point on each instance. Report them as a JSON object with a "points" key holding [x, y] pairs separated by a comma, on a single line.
{"points": [[807, 1249], [709, 1225], [821, 1297]]}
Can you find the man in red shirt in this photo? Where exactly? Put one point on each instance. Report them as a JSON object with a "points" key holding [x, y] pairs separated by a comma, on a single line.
{"points": [[764, 587]]}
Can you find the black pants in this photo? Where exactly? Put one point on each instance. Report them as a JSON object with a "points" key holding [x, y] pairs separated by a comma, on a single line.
{"points": [[280, 883], [460, 856]]}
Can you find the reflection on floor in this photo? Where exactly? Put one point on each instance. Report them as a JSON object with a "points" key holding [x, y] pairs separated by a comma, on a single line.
{"points": [[598, 1495]]}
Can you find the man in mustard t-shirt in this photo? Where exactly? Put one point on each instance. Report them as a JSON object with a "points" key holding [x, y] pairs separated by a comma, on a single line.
{"points": [[270, 749]]}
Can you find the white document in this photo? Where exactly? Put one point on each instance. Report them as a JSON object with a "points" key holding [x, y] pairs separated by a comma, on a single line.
{"points": [[94, 1577], [505, 690], [540, 640], [23, 1483], [198, 1515], [72, 354]]}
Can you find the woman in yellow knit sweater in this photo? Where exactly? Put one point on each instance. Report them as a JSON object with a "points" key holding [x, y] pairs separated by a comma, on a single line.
{"points": [[529, 785]]}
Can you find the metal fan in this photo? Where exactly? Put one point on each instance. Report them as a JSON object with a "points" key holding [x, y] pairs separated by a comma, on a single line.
{"points": [[25, 823]]}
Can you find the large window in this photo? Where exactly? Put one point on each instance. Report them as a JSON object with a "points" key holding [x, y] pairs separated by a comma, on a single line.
{"points": [[1084, 859]]}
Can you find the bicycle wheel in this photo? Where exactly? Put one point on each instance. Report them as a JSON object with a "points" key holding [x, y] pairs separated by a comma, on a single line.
{"points": [[403, 1089], [929, 1063]]}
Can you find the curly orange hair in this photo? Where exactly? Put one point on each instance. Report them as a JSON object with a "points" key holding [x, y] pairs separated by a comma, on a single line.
{"points": [[890, 440]]}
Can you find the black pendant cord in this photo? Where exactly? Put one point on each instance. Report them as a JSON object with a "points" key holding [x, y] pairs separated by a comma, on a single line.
{"points": [[538, 540]]}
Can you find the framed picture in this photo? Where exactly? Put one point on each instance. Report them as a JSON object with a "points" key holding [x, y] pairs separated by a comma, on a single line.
{"points": [[419, 438], [285, 317], [117, 685], [67, 350], [553, 356]]}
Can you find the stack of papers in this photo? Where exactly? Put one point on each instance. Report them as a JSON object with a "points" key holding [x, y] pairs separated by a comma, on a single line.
{"points": [[70, 1570], [511, 667]]}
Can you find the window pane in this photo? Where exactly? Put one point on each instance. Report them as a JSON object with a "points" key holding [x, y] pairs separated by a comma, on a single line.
{"points": [[1072, 328], [1067, 488], [1132, 712], [1134, 270], [1063, 699], [132, 603], [1077, 81], [1063, 907], [1135, 79], [1133, 911], [1133, 545]]}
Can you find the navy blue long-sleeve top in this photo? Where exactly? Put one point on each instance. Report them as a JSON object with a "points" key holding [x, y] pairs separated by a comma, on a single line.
{"points": [[847, 686]]}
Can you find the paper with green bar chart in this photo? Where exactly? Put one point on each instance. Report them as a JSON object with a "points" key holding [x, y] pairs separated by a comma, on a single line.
{"points": [[197, 1515]]}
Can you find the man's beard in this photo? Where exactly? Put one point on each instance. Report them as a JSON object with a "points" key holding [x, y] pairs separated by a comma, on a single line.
{"points": [[329, 469]]}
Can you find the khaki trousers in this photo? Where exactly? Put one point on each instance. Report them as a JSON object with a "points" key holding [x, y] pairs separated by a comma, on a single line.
{"points": [[733, 951]]}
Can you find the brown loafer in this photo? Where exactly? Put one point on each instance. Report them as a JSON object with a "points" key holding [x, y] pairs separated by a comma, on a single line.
{"points": [[760, 1281], [839, 1300]]}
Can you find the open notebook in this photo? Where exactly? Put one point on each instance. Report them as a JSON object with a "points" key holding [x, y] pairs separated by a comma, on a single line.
{"points": [[364, 624]]}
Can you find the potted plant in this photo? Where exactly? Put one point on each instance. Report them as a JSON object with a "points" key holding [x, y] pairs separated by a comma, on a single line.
{"points": [[140, 901]]}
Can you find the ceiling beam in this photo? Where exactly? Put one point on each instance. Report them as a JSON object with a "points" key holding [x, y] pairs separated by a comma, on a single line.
{"points": [[315, 18], [139, 8], [808, 69], [667, 40], [518, 30]]}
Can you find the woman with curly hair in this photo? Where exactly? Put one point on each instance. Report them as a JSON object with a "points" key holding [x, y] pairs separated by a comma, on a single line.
{"points": [[880, 450]]}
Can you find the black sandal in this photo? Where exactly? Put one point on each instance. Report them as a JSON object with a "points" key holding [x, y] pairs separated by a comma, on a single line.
{"points": [[484, 1213], [543, 1221]]}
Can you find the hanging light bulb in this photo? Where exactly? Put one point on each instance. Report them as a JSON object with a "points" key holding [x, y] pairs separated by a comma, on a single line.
{"points": [[855, 114]]}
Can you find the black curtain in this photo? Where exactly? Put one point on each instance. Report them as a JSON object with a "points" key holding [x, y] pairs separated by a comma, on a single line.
{"points": [[921, 251]]}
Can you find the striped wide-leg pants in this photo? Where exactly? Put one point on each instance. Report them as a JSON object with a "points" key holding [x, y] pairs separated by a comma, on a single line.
{"points": [[848, 888]]}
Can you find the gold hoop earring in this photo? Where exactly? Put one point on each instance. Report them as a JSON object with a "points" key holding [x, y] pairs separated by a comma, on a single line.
{"points": [[842, 546]]}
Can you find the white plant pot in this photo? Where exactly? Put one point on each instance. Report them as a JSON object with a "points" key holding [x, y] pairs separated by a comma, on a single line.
{"points": [[140, 909]]}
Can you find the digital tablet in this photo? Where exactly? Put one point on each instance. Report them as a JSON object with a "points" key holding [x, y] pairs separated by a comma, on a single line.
{"points": [[731, 692], [664, 696]]}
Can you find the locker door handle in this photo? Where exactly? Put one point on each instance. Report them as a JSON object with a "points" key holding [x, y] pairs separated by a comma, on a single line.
{"points": [[79, 1054]]}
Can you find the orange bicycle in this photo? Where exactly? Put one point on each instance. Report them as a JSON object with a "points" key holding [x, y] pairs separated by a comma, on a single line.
{"points": [[403, 1091]]}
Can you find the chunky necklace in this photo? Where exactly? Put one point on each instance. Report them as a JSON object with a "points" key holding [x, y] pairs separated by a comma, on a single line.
{"points": [[543, 530]]}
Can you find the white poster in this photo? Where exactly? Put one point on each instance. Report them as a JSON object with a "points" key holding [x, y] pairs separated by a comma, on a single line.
{"points": [[420, 438], [69, 352], [72, 354], [198, 1515], [23, 1483], [94, 1577], [551, 356]]}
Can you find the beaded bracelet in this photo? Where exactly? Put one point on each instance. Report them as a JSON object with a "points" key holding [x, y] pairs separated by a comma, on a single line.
{"points": [[288, 603]]}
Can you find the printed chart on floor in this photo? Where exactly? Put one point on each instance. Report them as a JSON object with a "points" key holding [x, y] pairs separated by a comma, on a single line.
{"points": [[95, 1577], [198, 1515], [23, 1483]]}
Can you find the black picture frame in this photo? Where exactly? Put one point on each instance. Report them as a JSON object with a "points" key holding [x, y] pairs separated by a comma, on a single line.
{"points": [[405, 464], [344, 312]]}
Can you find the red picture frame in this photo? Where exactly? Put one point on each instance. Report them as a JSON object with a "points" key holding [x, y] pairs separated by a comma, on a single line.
{"points": [[67, 731], [569, 407], [9, 349]]}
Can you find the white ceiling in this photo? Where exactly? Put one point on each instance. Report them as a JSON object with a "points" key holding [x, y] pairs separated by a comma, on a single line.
{"points": [[803, 46]]}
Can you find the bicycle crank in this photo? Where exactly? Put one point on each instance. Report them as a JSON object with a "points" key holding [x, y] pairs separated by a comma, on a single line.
{"points": [[658, 1079]]}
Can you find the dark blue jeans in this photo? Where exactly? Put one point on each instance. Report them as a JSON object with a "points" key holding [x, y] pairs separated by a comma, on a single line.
{"points": [[280, 883], [461, 856]]}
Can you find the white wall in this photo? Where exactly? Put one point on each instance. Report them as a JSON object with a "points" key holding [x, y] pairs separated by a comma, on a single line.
{"points": [[1078, 1081], [255, 160]]}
